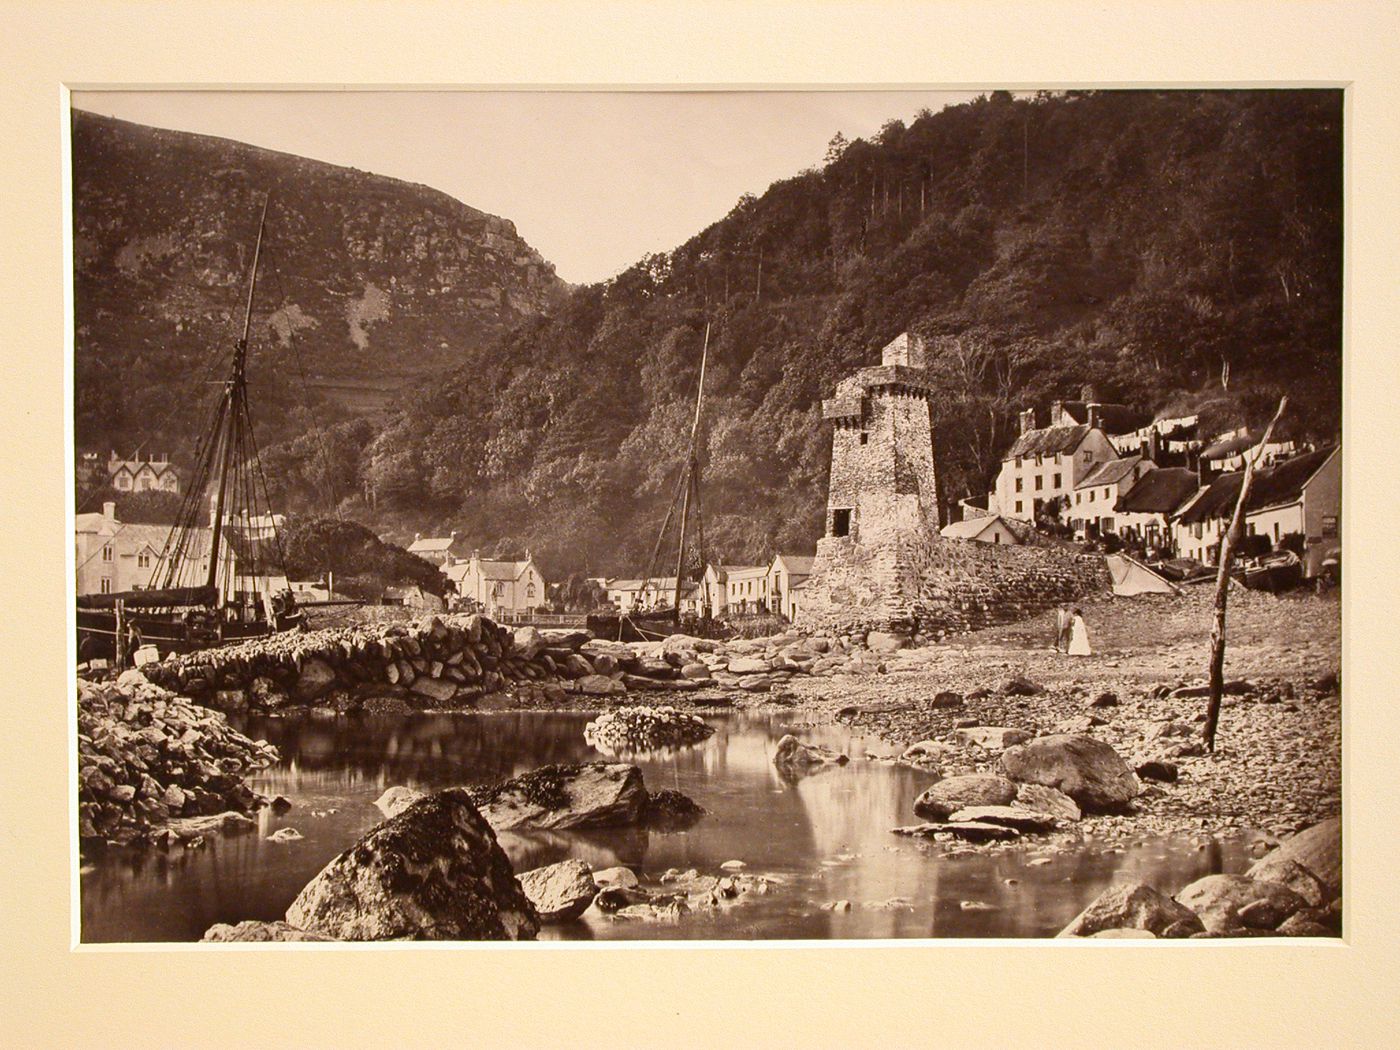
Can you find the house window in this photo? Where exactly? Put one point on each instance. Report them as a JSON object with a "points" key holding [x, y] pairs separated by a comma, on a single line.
{"points": [[1088, 456], [1018, 506], [1057, 477], [1329, 525], [530, 591], [864, 438], [143, 560], [1078, 497], [106, 585], [1018, 484], [841, 521], [1276, 535], [1039, 482], [107, 552]]}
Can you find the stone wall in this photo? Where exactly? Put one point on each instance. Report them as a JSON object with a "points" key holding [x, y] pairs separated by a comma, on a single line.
{"points": [[927, 584]]}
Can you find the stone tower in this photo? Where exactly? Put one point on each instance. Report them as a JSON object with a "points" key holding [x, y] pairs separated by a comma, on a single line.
{"points": [[882, 564], [884, 479]]}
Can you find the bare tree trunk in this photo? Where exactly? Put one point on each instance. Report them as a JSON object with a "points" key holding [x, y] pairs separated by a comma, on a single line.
{"points": [[1222, 585]]}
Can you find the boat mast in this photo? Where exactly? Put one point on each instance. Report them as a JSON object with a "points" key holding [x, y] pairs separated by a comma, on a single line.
{"points": [[234, 394], [691, 468]]}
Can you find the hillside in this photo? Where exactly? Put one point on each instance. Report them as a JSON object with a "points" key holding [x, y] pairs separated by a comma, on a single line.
{"points": [[374, 281], [1150, 243]]}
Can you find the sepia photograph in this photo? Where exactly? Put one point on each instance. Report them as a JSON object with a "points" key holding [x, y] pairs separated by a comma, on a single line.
{"points": [[806, 515]]}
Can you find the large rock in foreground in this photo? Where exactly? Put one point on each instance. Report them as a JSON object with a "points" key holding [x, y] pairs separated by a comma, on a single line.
{"points": [[560, 892], [1135, 906], [434, 872], [1318, 850], [253, 931], [974, 789], [1087, 770], [1233, 903], [593, 795]]}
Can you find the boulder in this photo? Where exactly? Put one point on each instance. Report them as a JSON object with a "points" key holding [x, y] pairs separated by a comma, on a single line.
{"points": [[1318, 849], [755, 683], [1158, 769], [993, 738], [434, 872], [696, 671], [1231, 903], [438, 690], [669, 810], [397, 799], [928, 754], [1297, 925], [560, 892], [229, 823], [528, 643], [599, 684], [316, 677], [1078, 724], [621, 877], [745, 665], [1018, 685], [885, 641], [1042, 799], [1301, 881], [1006, 816], [794, 758], [592, 795], [948, 796], [1087, 770], [260, 932], [1104, 700], [1133, 906], [946, 699]]}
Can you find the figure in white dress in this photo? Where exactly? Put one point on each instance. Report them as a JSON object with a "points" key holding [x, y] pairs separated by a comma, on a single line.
{"points": [[1078, 635]]}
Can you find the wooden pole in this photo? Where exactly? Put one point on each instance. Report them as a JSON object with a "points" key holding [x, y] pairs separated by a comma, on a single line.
{"points": [[1222, 584], [690, 468], [119, 651]]}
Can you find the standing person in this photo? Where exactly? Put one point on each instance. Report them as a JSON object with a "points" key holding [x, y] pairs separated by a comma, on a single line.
{"points": [[1062, 622], [1078, 635]]}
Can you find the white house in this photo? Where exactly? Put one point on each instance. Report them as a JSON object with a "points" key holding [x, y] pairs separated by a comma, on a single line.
{"points": [[990, 528], [435, 549], [655, 592], [746, 589], [1146, 511], [1047, 464], [1098, 492], [785, 574], [142, 475], [497, 586]]}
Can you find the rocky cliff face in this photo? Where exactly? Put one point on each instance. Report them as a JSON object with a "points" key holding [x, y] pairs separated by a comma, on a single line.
{"points": [[377, 281]]}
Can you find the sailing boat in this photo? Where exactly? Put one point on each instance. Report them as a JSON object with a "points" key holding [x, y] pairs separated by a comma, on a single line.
{"points": [[211, 584], [662, 619]]}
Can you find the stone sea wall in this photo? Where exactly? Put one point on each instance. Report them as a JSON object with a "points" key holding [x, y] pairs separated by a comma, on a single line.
{"points": [[935, 586]]}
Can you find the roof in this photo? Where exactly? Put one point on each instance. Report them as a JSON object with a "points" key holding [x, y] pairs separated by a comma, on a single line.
{"points": [[1159, 491], [1285, 482], [1215, 501], [1109, 472], [430, 543], [663, 583], [797, 564], [135, 466], [1113, 418], [746, 570], [502, 570], [969, 528], [1048, 441]]}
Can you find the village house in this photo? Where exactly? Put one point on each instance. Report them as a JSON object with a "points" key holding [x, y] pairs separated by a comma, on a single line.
{"points": [[412, 596], [1300, 497], [1047, 464], [496, 586], [786, 573], [746, 590], [629, 595], [435, 549], [1143, 515], [989, 528], [1091, 513], [142, 475]]}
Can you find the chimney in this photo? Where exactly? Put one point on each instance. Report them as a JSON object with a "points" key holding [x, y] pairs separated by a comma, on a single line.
{"points": [[453, 536], [109, 511], [1154, 445], [417, 536], [1095, 414], [1027, 420], [1057, 409]]}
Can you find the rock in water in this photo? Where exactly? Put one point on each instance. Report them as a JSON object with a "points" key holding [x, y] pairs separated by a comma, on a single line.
{"points": [[668, 810], [1087, 770], [316, 677], [397, 799], [1133, 906], [593, 795], [1232, 903], [794, 758], [253, 930], [560, 892], [1006, 816], [973, 789], [1318, 850], [434, 872], [1041, 799]]}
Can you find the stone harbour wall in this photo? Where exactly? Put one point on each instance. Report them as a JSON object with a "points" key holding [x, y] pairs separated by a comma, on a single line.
{"points": [[933, 586]]}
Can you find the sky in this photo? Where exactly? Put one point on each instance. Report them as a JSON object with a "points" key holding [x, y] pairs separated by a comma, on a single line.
{"points": [[593, 180]]}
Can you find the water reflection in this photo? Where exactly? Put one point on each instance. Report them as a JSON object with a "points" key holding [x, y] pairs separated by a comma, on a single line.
{"points": [[826, 837]]}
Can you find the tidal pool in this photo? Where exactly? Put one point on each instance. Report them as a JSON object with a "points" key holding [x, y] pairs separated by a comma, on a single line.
{"points": [[824, 839]]}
